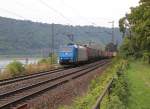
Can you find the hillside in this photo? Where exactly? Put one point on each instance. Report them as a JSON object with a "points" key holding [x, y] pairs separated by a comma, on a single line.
{"points": [[20, 37]]}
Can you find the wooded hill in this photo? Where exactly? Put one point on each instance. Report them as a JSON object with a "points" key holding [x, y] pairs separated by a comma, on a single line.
{"points": [[26, 37]]}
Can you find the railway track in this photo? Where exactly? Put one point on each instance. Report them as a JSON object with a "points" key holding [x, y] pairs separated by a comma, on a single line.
{"points": [[27, 91], [25, 77]]}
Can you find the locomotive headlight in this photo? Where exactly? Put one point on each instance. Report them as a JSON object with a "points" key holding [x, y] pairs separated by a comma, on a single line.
{"points": [[66, 53]]}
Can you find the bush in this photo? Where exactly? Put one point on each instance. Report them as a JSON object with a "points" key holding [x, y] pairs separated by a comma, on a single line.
{"points": [[115, 103], [121, 89], [146, 56], [119, 95], [15, 68], [49, 60]]}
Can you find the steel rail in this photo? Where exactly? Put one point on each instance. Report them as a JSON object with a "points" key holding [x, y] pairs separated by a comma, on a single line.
{"points": [[61, 75], [25, 77], [52, 83]]}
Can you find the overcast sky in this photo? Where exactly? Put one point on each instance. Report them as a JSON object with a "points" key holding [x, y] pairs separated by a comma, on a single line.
{"points": [[72, 12]]}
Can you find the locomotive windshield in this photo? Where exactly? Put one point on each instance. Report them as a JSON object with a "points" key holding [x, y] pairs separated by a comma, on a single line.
{"points": [[65, 49]]}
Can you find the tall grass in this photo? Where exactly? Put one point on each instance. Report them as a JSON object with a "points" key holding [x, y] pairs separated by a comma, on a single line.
{"points": [[34, 68], [4, 75], [16, 68]]}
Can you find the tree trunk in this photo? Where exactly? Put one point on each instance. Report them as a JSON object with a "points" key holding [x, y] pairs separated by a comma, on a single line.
{"points": [[149, 59], [123, 35]]}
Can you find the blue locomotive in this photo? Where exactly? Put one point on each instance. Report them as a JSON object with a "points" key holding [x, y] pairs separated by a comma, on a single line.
{"points": [[73, 54], [68, 54]]}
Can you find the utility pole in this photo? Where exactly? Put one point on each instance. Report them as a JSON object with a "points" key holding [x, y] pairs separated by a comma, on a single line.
{"points": [[52, 47], [112, 40], [113, 37], [70, 34]]}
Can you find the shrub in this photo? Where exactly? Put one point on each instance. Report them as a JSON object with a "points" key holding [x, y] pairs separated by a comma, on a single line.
{"points": [[146, 56], [15, 68], [119, 95], [49, 60], [115, 103], [121, 89], [42, 61]]}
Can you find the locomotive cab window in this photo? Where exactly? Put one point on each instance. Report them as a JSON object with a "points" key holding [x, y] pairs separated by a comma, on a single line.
{"points": [[65, 49]]}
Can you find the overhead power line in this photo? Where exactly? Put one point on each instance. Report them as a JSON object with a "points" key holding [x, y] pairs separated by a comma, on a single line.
{"points": [[51, 8], [24, 6], [12, 13], [75, 11]]}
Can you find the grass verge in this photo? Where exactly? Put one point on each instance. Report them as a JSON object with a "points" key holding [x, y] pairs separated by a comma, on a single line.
{"points": [[139, 81], [131, 89]]}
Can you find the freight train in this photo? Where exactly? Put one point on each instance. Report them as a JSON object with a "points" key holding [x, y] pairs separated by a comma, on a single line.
{"points": [[77, 54]]}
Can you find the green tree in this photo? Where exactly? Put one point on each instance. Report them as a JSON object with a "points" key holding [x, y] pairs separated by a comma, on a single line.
{"points": [[139, 20], [122, 26]]}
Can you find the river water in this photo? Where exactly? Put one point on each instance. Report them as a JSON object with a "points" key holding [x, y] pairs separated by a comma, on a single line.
{"points": [[5, 62]]}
